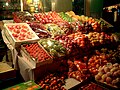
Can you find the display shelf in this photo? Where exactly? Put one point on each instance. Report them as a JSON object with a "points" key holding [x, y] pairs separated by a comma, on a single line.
{"points": [[85, 47]]}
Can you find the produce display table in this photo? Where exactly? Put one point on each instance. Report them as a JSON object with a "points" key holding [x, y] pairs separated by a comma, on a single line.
{"points": [[69, 46]]}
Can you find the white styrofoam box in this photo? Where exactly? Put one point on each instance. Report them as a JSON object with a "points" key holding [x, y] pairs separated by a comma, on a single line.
{"points": [[16, 42]]}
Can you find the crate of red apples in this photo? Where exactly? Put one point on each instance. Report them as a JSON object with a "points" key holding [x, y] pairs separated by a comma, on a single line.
{"points": [[18, 33], [35, 54]]}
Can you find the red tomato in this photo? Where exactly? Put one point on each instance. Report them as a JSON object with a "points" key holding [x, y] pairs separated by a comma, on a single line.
{"points": [[22, 35], [28, 33], [18, 27], [16, 30], [28, 36], [10, 28], [23, 30], [15, 35], [21, 38], [24, 27]]}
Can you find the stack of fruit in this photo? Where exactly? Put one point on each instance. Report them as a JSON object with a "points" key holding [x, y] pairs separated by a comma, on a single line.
{"points": [[66, 36], [53, 47], [109, 74], [68, 43], [53, 17], [80, 39], [77, 27], [73, 15], [78, 70], [54, 30], [112, 54], [20, 31], [65, 17], [52, 82], [97, 39], [37, 52], [98, 25], [20, 17], [50, 17], [91, 21], [95, 62], [39, 29], [86, 27]]}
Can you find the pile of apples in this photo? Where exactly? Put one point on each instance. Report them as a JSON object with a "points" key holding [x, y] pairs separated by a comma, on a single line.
{"points": [[113, 55], [109, 74], [52, 82], [50, 17], [97, 39], [82, 42], [36, 52], [53, 17], [95, 62], [65, 41], [78, 76], [76, 27], [91, 21], [80, 39], [75, 43], [78, 70]]}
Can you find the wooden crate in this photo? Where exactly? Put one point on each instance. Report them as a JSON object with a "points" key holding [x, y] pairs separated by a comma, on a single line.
{"points": [[32, 61]]}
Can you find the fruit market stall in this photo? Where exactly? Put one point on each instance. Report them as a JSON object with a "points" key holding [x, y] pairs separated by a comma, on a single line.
{"points": [[64, 51]]}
